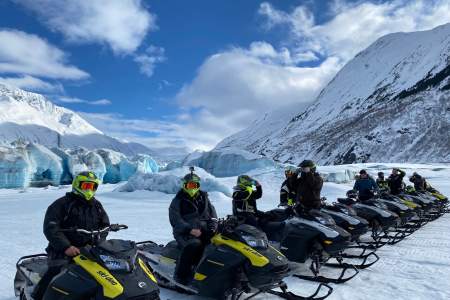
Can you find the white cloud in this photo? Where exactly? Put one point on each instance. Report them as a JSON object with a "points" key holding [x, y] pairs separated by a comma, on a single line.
{"points": [[147, 61], [30, 83], [354, 26], [120, 24], [78, 100], [28, 54]]}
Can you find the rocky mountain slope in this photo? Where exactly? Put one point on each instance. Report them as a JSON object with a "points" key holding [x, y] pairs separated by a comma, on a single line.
{"points": [[390, 103]]}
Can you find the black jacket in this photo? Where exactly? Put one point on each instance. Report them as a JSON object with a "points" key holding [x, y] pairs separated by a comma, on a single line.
{"points": [[72, 211], [186, 213], [309, 186], [396, 182], [245, 202], [288, 190], [419, 182]]}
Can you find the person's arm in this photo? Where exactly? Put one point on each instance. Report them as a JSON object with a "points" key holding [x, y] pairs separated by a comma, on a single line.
{"points": [[374, 185], [356, 185], [402, 173], [314, 180], [258, 192], [104, 219], [52, 226], [176, 219], [284, 194]]}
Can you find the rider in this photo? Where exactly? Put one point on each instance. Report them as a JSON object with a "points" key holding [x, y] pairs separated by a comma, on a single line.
{"points": [[194, 221], [309, 186], [395, 181], [77, 209], [365, 186], [419, 182], [382, 182], [289, 187], [244, 200]]}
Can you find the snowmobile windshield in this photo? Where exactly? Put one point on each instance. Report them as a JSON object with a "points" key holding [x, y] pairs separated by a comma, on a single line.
{"points": [[255, 242]]}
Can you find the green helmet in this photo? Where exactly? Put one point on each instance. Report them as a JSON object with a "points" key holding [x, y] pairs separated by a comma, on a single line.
{"points": [[191, 184], [245, 181], [410, 189], [85, 184]]}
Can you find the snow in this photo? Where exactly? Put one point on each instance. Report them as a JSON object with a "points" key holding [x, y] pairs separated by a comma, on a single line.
{"points": [[416, 268]]}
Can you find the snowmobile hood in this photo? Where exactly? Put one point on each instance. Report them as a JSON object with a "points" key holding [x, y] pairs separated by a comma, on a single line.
{"points": [[328, 232], [351, 220], [380, 211]]}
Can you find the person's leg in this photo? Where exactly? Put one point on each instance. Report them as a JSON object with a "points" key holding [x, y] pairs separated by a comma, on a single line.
{"points": [[41, 287], [190, 256]]}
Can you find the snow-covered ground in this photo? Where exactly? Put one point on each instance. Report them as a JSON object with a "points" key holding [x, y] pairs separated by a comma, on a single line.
{"points": [[416, 268]]}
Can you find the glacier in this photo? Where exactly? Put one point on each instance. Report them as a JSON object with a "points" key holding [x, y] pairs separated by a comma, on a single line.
{"points": [[24, 165], [225, 162]]}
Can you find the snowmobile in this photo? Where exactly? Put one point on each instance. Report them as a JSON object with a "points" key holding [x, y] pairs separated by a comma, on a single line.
{"points": [[382, 221], [313, 236], [110, 269], [347, 219], [238, 261]]}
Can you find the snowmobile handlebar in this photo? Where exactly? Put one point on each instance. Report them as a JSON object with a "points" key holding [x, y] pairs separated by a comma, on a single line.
{"points": [[112, 227]]}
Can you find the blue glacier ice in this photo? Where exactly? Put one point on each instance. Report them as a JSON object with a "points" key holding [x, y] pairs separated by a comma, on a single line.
{"points": [[45, 168], [82, 159], [14, 165], [228, 162], [113, 162]]}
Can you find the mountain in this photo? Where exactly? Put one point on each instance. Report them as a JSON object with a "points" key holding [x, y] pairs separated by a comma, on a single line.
{"points": [[390, 103], [31, 117]]}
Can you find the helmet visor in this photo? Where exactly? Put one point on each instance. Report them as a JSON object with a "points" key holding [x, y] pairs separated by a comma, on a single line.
{"points": [[88, 186], [192, 185]]}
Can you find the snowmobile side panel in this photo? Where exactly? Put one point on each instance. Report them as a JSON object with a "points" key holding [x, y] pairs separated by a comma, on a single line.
{"points": [[146, 270], [256, 258], [111, 286]]}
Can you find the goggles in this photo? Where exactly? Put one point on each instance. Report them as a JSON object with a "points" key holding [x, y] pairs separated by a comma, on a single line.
{"points": [[86, 185], [191, 185], [289, 172]]}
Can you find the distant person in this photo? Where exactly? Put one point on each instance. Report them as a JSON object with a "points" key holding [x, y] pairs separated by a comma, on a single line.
{"points": [[245, 194], [194, 221], [419, 182], [382, 183], [309, 186], [77, 209], [395, 181], [288, 191], [365, 186]]}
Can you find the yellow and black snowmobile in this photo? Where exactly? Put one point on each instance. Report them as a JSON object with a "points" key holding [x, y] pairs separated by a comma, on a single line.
{"points": [[238, 261], [110, 269]]}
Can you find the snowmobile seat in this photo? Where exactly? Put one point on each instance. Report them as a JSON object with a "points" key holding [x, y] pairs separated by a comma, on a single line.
{"points": [[346, 201], [171, 250], [37, 265], [120, 247]]}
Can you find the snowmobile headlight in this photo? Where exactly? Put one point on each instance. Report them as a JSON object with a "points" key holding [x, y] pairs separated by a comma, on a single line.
{"points": [[255, 242], [115, 264]]}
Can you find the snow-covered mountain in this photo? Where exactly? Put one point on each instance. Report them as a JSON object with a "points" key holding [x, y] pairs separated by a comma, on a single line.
{"points": [[31, 117], [389, 103]]}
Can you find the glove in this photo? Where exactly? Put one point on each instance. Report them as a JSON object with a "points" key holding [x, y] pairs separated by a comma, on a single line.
{"points": [[212, 225]]}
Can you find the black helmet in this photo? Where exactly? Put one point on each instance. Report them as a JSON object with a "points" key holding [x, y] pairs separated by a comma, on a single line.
{"points": [[307, 164], [352, 194], [380, 174]]}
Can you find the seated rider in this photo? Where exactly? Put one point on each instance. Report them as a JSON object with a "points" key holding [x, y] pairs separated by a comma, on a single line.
{"points": [[288, 191], [77, 209], [419, 182], [395, 181], [244, 200], [382, 183], [365, 186], [309, 186], [194, 221]]}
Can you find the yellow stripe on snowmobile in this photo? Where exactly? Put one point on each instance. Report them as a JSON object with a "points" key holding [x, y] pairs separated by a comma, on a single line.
{"points": [[199, 276], [439, 196], [111, 286], [146, 270], [256, 258]]}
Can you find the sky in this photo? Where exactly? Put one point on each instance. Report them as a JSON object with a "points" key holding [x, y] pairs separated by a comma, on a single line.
{"points": [[190, 73]]}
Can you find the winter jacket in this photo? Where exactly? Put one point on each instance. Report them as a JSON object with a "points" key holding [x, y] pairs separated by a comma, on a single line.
{"points": [[419, 182], [309, 186], [244, 201], [186, 213], [288, 192], [396, 182], [72, 211], [382, 184], [365, 187]]}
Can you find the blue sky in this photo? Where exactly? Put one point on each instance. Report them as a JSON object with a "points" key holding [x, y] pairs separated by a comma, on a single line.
{"points": [[189, 73]]}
